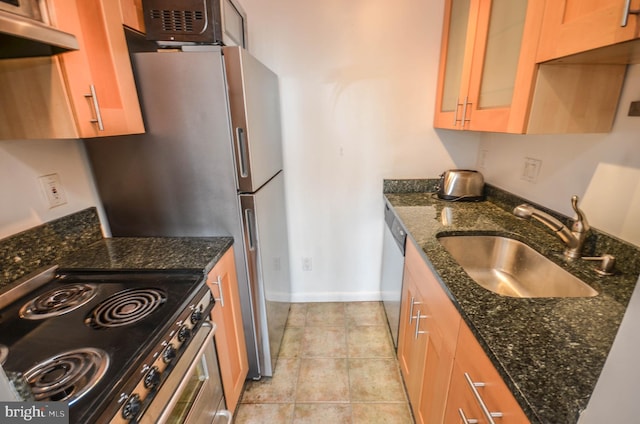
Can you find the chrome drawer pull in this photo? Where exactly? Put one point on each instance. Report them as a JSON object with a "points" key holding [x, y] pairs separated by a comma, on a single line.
{"points": [[464, 418], [489, 415], [626, 12], [418, 317], [455, 115], [464, 111], [413, 302], [96, 107], [218, 283]]}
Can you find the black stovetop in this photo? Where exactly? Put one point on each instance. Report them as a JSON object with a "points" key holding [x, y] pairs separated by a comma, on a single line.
{"points": [[34, 341]]}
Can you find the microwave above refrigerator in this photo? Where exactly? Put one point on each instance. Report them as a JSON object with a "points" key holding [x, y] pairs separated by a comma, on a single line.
{"points": [[179, 22]]}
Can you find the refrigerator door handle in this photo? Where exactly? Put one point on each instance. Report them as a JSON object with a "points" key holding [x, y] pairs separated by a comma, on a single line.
{"points": [[250, 219], [243, 150]]}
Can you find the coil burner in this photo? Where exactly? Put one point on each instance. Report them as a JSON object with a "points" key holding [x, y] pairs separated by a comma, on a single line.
{"points": [[126, 307], [67, 376], [58, 301]]}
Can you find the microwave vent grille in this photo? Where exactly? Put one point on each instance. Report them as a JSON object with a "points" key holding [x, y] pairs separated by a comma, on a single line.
{"points": [[179, 21]]}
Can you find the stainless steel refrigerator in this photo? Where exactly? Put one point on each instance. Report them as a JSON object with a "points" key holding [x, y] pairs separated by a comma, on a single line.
{"points": [[210, 164]]}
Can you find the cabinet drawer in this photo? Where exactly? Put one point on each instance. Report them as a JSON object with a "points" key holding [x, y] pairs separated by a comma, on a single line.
{"points": [[473, 366]]}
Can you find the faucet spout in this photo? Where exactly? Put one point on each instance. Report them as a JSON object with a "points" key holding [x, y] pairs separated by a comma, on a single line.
{"points": [[572, 238]]}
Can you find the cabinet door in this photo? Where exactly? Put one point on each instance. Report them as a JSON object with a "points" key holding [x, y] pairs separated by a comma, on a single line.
{"points": [[574, 26], [429, 328], [503, 66], [475, 382], [495, 65], [455, 62], [132, 14], [98, 76], [437, 374], [412, 338], [230, 342]]}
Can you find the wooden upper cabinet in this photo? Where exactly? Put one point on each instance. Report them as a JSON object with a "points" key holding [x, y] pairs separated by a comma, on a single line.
{"points": [[489, 79], [99, 77], [132, 14], [576, 26], [85, 93], [487, 64]]}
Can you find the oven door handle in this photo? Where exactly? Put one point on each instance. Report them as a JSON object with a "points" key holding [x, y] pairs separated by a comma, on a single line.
{"points": [[192, 366]]}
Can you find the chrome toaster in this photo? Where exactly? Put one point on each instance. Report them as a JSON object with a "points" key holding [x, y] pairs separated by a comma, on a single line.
{"points": [[461, 185]]}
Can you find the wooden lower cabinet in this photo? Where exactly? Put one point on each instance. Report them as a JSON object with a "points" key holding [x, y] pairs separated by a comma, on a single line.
{"points": [[436, 350], [412, 344], [229, 337], [428, 331], [473, 368]]}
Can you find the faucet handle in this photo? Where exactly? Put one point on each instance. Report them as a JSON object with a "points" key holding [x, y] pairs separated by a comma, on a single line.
{"points": [[580, 225], [607, 264]]}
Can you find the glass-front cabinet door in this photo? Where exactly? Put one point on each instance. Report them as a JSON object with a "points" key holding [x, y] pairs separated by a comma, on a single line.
{"points": [[455, 62], [487, 67]]}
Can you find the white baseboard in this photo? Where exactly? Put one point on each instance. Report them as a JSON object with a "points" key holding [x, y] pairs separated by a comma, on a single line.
{"points": [[336, 297]]}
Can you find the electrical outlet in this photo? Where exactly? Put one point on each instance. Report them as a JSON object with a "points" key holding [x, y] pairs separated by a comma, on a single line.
{"points": [[307, 264], [531, 170], [53, 190], [482, 159]]}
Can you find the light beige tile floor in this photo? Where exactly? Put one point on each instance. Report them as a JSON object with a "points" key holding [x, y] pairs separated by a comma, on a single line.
{"points": [[336, 365]]}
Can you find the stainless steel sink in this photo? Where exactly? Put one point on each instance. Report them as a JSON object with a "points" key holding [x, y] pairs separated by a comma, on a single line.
{"points": [[511, 268]]}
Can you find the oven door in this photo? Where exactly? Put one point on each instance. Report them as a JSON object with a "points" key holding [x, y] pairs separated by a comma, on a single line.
{"points": [[193, 391]]}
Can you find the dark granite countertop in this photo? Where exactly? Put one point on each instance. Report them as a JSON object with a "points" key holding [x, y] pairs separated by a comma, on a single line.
{"points": [[550, 351], [149, 253]]}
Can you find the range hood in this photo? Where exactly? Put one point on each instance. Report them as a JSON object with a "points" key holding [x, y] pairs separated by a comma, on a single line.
{"points": [[24, 37]]}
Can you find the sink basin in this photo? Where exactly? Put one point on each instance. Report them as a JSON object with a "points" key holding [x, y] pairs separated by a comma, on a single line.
{"points": [[511, 268]]}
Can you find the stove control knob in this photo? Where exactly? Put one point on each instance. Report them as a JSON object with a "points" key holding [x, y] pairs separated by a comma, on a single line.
{"points": [[196, 316], [132, 407], [152, 378], [169, 353], [184, 333]]}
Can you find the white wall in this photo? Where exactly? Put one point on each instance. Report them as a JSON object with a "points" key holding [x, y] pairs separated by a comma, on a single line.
{"points": [[358, 83], [602, 169], [23, 203]]}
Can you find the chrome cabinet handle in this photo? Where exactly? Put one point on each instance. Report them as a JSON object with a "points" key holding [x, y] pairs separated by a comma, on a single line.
{"points": [[455, 115], [464, 418], [628, 11], [473, 385], [418, 317], [413, 302], [464, 111], [96, 107], [218, 283]]}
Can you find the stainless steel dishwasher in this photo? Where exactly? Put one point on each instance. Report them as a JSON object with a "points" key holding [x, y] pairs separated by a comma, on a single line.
{"points": [[392, 269]]}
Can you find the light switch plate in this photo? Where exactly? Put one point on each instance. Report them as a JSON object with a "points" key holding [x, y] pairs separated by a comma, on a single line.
{"points": [[531, 169]]}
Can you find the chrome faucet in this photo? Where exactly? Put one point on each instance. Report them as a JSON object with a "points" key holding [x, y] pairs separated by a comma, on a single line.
{"points": [[573, 238]]}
